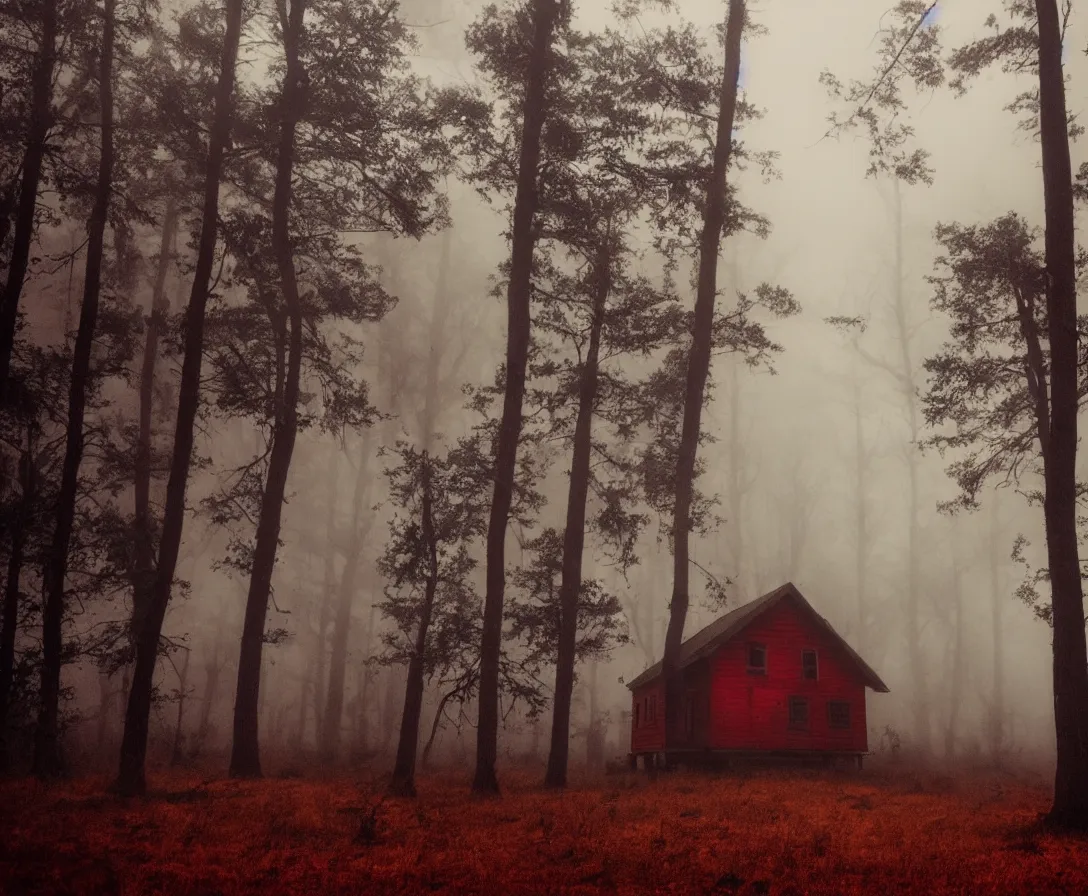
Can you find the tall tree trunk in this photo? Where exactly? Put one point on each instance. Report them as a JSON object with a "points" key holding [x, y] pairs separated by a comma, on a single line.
{"points": [[47, 760], [546, 14], [41, 120], [596, 733], [440, 313], [327, 591], [403, 780], [861, 520], [106, 694], [9, 615], [699, 358], [436, 724], [142, 524], [332, 718], [389, 708], [958, 670], [212, 671], [570, 585], [361, 733], [126, 686], [131, 778], [176, 755], [919, 671], [1070, 655], [916, 657], [245, 759], [404, 770], [7, 207], [306, 683], [737, 485], [997, 603]]}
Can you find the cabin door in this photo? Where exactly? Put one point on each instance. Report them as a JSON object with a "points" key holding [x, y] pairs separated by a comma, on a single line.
{"points": [[694, 718], [688, 727]]}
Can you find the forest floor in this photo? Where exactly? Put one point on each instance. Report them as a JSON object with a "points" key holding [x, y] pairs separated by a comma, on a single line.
{"points": [[770, 832]]}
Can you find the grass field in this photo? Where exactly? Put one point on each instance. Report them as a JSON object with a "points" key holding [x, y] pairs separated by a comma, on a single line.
{"points": [[770, 832]]}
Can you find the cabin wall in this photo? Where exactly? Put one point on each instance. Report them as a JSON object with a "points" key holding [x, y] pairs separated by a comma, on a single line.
{"points": [[648, 718], [691, 725], [750, 711]]}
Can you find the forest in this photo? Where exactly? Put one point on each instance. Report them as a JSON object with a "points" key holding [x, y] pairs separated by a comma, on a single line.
{"points": [[386, 384]]}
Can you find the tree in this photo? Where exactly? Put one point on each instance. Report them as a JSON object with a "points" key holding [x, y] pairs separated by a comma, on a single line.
{"points": [[997, 708], [144, 521], [47, 761], [957, 658], [699, 353], [428, 565], [860, 462], [1032, 44], [27, 430], [500, 44], [909, 50], [538, 616], [1060, 502], [35, 425], [131, 778], [359, 528], [596, 319], [37, 136], [993, 383], [365, 161], [245, 754], [600, 277], [440, 601], [403, 781]]}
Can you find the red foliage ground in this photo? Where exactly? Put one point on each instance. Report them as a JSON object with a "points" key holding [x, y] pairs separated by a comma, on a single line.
{"points": [[765, 833]]}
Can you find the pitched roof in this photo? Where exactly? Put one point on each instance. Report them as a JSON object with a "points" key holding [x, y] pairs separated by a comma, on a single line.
{"points": [[709, 639]]}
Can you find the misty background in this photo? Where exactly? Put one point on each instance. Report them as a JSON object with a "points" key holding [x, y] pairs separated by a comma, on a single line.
{"points": [[798, 457]]}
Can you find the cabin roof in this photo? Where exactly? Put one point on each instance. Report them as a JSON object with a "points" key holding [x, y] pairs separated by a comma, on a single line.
{"points": [[705, 641]]}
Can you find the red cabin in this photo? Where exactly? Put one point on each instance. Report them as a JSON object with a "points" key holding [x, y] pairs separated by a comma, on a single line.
{"points": [[770, 677]]}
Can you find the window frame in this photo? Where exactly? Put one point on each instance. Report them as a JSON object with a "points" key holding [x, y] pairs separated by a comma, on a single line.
{"points": [[815, 664], [798, 700], [755, 670], [831, 718]]}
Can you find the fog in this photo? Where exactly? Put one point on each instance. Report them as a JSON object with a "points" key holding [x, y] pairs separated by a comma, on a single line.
{"points": [[811, 455]]}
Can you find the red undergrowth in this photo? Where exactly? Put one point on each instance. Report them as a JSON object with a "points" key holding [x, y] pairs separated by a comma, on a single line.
{"points": [[765, 833]]}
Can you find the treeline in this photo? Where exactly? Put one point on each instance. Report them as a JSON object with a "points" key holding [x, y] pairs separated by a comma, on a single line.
{"points": [[269, 159], [260, 157]]}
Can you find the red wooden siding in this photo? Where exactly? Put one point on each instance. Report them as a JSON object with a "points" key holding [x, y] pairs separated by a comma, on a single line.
{"points": [[648, 734], [752, 711], [692, 727]]}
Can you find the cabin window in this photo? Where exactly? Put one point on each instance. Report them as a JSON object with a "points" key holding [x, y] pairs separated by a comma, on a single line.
{"points": [[799, 713], [810, 670], [637, 720], [757, 659], [838, 714], [653, 708]]}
